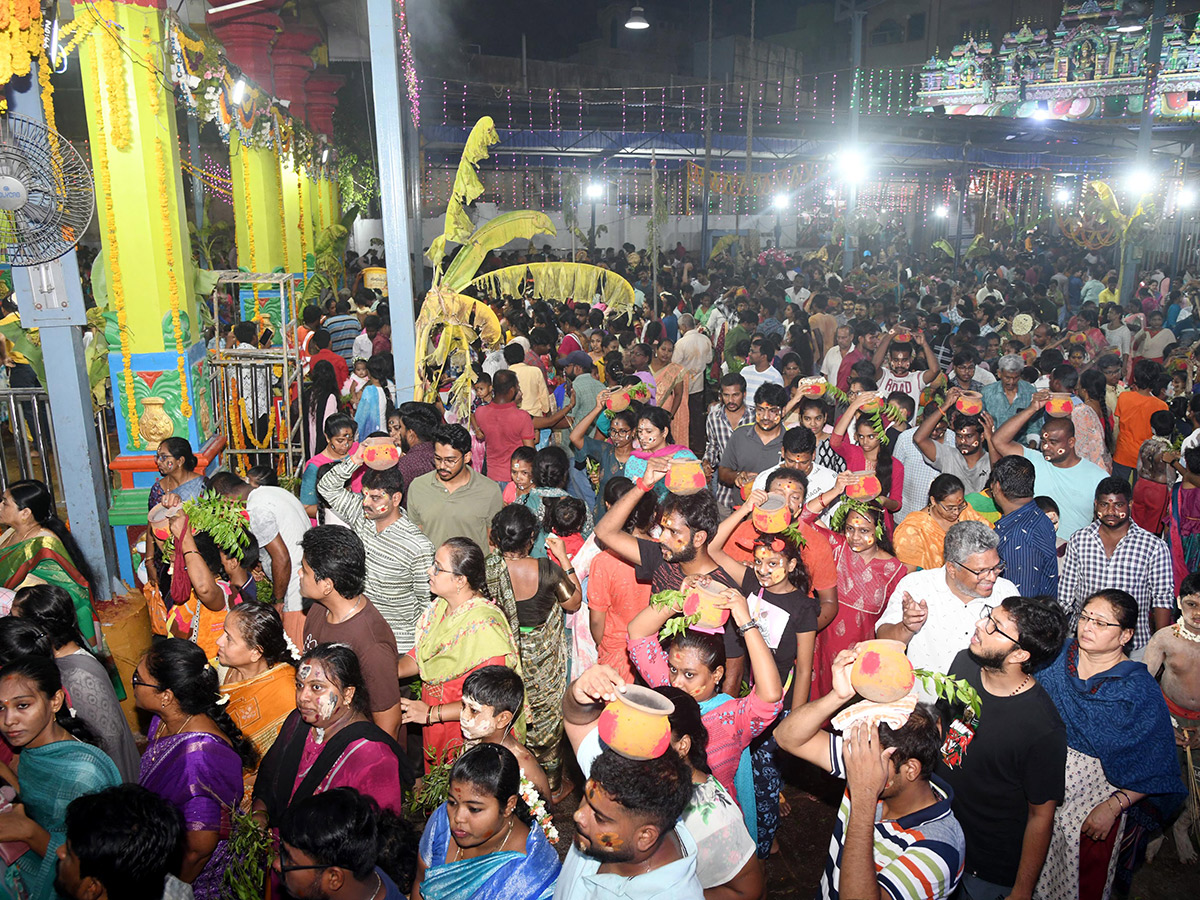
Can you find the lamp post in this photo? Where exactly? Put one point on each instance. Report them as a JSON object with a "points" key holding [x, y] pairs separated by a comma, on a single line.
{"points": [[595, 191]]}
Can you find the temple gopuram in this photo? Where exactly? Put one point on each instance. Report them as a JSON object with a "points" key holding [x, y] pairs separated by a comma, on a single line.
{"points": [[1092, 66]]}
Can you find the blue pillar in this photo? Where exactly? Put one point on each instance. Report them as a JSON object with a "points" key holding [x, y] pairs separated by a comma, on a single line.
{"points": [[393, 191], [50, 298]]}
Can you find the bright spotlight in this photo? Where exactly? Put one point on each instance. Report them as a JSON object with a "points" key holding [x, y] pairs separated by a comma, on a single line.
{"points": [[1063, 195], [1131, 28], [595, 191], [830, 193], [941, 212], [1140, 181], [851, 164], [1186, 197], [781, 201], [239, 90], [1041, 114], [325, 156], [637, 19]]}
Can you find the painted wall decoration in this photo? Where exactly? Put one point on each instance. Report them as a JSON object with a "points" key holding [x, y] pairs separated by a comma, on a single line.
{"points": [[1085, 68]]}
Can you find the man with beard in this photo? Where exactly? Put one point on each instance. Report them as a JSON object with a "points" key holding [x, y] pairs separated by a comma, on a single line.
{"points": [[1115, 552], [417, 422], [628, 838], [1059, 471], [453, 500], [967, 458], [933, 612], [896, 349], [730, 414], [896, 835], [398, 554], [1008, 765], [687, 524]]}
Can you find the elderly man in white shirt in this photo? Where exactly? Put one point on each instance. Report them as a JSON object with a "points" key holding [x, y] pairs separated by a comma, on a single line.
{"points": [[934, 612]]}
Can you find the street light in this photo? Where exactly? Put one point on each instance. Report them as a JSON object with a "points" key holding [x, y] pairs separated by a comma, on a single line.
{"points": [[595, 190], [781, 201], [1140, 182], [1063, 195], [1041, 114], [851, 164], [637, 19]]}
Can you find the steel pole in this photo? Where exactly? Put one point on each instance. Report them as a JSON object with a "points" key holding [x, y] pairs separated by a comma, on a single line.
{"points": [[850, 240]]}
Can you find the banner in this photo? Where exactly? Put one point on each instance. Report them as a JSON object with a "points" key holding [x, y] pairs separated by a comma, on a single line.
{"points": [[767, 183]]}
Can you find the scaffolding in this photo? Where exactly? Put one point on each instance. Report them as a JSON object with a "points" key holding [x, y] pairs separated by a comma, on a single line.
{"points": [[255, 393]]}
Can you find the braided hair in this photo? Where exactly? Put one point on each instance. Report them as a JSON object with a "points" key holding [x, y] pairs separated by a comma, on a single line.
{"points": [[36, 497], [179, 666]]}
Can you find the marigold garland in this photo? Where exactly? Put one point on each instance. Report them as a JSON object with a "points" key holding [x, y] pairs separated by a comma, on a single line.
{"points": [[252, 261], [20, 37], [241, 405], [116, 87], [164, 208], [300, 222], [152, 74], [116, 281], [283, 235]]}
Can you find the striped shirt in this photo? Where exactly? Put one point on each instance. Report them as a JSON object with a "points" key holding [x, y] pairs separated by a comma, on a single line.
{"points": [[918, 857], [1028, 550], [342, 332], [1141, 565], [718, 431], [398, 558]]}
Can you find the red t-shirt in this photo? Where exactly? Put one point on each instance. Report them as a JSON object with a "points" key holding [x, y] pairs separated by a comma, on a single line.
{"points": [[340, 369], [505, 427]]}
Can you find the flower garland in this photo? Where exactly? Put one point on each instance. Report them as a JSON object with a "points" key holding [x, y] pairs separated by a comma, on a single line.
{"points": [[164, 207], [152, 69], [20, 38], [537, 808], [115, 86], [117, 285], [300, 222], [47, 92], [283, 235], [250, 263], [250, 429], [237, 436]]}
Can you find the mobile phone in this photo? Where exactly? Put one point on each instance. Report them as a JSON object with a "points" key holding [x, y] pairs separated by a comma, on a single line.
{"points": [[264, 339]]}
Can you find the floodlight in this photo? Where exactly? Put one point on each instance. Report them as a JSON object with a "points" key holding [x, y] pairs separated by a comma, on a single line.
{"points": [[1140, 181], [1186, 197], [239, 89], [325, 156], [1063, 195], [781, 201], [637, 19], [1131, 28], [941, 212], [595, 191], [851, 164], [1041, 114]]}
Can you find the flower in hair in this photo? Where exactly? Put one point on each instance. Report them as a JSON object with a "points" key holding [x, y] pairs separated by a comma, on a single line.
{"points": [[71, 710], [537, 808], [292, 648], [222, 700]]}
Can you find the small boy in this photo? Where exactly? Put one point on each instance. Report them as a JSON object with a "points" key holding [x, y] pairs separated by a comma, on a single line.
{"points": [[566, 517], [492, 698], [1175, 653]]}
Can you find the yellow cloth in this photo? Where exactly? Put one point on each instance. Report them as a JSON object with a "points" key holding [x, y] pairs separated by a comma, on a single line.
{"points": [[919, 538], [535, 397], [259, 707], [12, 352]]}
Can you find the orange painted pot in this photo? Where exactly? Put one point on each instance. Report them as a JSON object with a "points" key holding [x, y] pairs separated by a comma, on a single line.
{"points": [[882, 672], [1059, 406], [159, 520], [866, 488], [380, 453], [869, 406], [970, 403], [902, 338], [685, 477], [704, 602], [812, 387], [635, 725], [772, 515], [618, 401]]}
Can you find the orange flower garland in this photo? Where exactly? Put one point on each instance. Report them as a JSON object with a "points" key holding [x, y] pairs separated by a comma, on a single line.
{"points": [[164, 207], [283, 234], [116, 87], [152, 74], [117, 282], [300, 221], [20, 37], [252, 262]]}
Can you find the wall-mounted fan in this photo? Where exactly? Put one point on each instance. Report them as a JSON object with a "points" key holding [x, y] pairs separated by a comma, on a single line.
{"points": [[46, 193]]}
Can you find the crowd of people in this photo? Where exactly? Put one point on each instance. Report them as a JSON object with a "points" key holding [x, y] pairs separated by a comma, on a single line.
{"points": [[965, 463]]}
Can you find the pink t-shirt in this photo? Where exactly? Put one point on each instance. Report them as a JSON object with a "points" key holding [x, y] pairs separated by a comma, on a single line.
{"points": [[505, 427]]}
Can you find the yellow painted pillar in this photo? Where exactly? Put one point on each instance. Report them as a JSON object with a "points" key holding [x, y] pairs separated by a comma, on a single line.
{"points": [[148, 264], [258, 208], [299, 219]]}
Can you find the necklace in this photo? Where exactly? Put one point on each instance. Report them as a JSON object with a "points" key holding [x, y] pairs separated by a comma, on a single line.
{"points": [[1020, 686], [1182, 631], [349, 613], [181, 727], [511, 822], [378, 886]]}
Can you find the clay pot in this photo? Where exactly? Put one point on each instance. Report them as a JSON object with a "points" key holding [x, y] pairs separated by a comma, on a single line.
{"points": [[970, 403], [380, 453], [618, 401], [903, 338], [869, 406], [812, 387], [685, 477], [772, 515], [159, 520], [1059, 406], [635, 725], [867, 487], [704, 602], [882, 672]]}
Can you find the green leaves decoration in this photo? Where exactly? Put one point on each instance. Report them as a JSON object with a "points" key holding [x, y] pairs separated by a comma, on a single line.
{"points": [[951, 689]]}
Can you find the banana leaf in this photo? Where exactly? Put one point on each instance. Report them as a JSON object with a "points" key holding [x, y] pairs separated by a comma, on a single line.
{"points": [[945, 247], [24, 344], [560, 280], [509, 226]]}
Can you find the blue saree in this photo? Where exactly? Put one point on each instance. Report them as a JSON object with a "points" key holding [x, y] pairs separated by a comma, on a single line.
{"points": [[497, 876]]}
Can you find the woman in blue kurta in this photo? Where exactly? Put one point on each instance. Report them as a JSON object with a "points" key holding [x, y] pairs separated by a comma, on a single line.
{"points": [[493, 853]]}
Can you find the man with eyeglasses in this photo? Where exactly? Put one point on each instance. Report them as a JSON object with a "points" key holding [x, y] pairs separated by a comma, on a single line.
{"points": [[933, 612], [1007, 765], [752, 450], [1115, 552]]}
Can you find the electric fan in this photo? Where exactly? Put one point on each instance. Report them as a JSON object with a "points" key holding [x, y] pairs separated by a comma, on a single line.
{"points": [[46, 196]]}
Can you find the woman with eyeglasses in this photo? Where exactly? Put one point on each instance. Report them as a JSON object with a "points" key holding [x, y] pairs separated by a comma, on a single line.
{"points": [[194, 756], [919, 538], [611, 455], [1122, 772], [462, 631]]}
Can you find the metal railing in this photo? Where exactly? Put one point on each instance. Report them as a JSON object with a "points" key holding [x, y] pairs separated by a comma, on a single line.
{"points": [[28, 446]]}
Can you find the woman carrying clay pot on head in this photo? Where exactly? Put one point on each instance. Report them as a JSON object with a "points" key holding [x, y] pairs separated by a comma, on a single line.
{"points": [[613, 454], [871, 453]]}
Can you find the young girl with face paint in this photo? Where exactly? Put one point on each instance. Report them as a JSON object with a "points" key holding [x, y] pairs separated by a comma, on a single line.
{"points": [[483, 836], [694, 661], [330, 740]]}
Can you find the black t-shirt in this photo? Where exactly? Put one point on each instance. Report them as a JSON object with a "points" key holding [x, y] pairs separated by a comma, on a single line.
{"points": [[668, 576], [1018, 756], [802, 617]]}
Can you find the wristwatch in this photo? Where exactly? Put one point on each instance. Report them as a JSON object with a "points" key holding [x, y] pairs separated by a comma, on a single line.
{"points": [[742, 629]]}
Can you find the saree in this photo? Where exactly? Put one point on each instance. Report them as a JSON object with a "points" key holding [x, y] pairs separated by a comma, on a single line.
{"points": [[543, 652], [450, 646], [669, 376], [259, 706], [359, 755], [506, 875], [51, 777], [1119, 720], [202, 776], [45, 557], [371, 414]]}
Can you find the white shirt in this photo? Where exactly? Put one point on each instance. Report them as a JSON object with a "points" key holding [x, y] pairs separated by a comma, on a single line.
{"points": [[1192, 440], [983, 376], [798, 296], [362, 347], [950, 622], [1119, 338], [275, 511], [820, 480], [911, 384], [693, 351], [831, 363], [755, 379]]}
